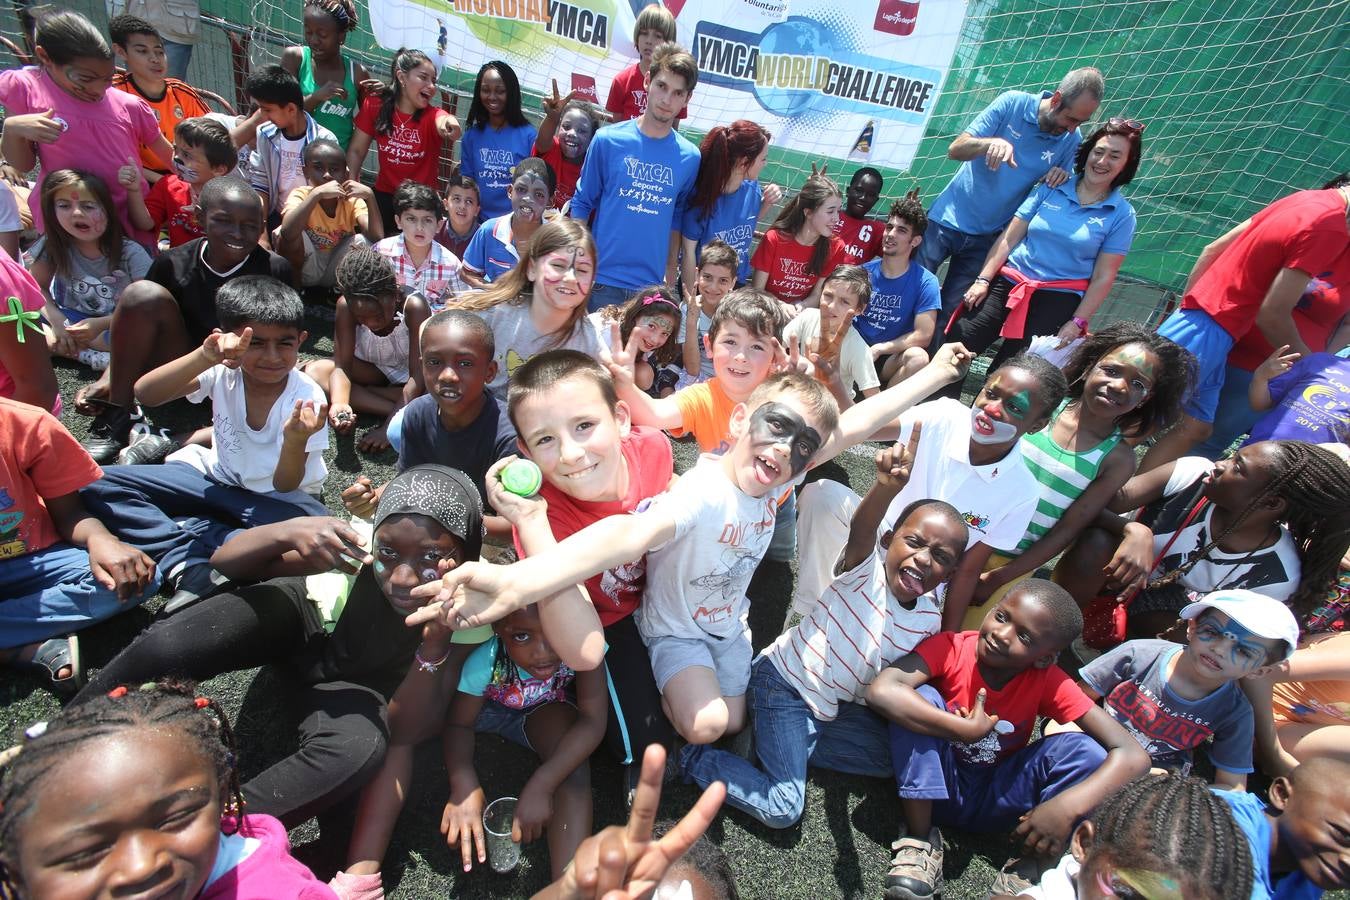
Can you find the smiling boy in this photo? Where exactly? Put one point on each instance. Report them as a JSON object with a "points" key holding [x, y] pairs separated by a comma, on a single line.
{"points": [[860, 235], [325, 218], [843, 297], [202, 150]]}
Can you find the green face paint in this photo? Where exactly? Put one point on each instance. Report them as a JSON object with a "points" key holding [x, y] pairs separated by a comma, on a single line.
{"points": [[1019, 405], [1138, 356]]}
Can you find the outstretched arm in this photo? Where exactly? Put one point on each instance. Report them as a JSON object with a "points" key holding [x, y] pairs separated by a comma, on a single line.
{"points": [[894, 465]]}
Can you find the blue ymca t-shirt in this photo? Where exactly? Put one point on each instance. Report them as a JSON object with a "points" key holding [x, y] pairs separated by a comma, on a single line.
{"points": [[1312, 403], [1063, 237], [733, 220], [1250, 814], [896, 302], [487, 155], [637, 187], [490, 252], [978, 201]]}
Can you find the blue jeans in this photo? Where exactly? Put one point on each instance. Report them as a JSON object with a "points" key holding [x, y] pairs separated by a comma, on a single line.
{"points": [[1234, 415], [53, 592], [988, 798], [787, 738], [177, 515], [603, 295], [177, 56], [966, 252]]}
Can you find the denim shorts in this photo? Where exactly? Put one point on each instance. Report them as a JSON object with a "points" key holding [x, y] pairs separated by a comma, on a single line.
{"points": [[494, 718]]}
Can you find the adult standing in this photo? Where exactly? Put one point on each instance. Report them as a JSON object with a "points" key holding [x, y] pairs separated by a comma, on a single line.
{"points": [[1018, 140], [1252, 278], [636, 180]]}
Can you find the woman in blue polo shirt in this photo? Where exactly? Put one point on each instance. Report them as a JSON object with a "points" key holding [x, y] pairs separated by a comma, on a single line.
{"points": [[1055, 263]]}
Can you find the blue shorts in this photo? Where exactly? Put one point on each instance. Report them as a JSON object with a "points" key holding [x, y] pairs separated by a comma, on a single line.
{"points": [[1197, 331]]}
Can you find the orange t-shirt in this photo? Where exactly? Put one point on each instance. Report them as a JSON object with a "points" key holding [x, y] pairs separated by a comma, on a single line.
{"points": [[180, 101], [1316, 702], [38, 458], [705, 411]]}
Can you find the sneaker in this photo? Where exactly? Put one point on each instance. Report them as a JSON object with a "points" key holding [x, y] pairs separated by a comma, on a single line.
{"points": [[95, 359], [916, 868], [1020, 873], [147, 446], [110, 431]]}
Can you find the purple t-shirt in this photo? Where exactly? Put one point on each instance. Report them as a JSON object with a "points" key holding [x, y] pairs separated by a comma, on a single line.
{"points": [[1312, 403]]}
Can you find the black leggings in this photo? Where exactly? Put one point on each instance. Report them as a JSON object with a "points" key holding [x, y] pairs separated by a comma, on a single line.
{"points": [[1047, 311], [635, 715], [343, 732]]}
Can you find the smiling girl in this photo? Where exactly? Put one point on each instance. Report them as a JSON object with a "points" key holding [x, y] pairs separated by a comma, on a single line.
{"points": [[654, 315], [497, 137], [800, 249]]}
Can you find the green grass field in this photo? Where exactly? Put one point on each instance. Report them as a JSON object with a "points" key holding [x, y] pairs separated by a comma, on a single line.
{"points": [[840, 849]]}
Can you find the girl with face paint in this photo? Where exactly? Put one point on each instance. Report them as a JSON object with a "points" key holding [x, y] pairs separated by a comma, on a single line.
{"points": [[1125, 382], [654, 315], [343, 650], [499, 242], [564, 136]]}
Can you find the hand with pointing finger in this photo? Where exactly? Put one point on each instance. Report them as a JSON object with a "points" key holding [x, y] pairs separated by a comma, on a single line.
{"points": [[226, 346], [826, 358], [894, 464]]}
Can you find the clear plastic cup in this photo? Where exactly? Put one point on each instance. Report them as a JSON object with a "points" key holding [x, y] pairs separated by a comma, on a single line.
{"points": [[503, 852]]}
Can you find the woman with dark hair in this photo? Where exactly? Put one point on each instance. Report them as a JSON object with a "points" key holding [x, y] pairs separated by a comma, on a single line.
{"points": [[1054, 264]]}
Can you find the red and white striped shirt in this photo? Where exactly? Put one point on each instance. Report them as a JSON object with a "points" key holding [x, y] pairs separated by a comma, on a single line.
{"points": [[857, 629]]}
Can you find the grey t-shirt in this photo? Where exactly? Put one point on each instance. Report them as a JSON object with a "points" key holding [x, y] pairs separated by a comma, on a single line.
{"points": [[517, 340], [95, 284], [1132, 681]]}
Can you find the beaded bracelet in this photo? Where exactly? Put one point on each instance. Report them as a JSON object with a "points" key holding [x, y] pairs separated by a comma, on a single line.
{"points": [[429, 665]]}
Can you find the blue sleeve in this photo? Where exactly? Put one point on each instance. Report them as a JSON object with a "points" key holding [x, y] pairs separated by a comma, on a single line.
{"points": [[475, 255], [1121, 235], [468, 153], [1232, 748], [417, 443], [930, 293], [1027, 211], [988, 122], [591, 181], [693, 224], [506, 436], [477, 669]]}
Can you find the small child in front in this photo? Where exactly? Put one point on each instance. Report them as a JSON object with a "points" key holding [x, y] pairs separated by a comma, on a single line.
{"points": [[962, 708], [1173, 698], [326, 218], [807, 687], [703, 539]]}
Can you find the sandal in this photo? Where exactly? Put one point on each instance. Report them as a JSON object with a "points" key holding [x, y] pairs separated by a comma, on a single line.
{"points": [[86, 405], [51, 656]]}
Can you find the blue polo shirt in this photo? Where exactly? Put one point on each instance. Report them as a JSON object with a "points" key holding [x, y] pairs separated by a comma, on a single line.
{"points": [[978, 201], [733, 220], [490, 252], [487, 155], [638, 188], [896, 302], [1064, 238]]}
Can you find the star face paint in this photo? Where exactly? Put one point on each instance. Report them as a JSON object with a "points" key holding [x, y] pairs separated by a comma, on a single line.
{"points": [[1138, 884], [1121, 380], [777, 423], [1226, 640]]}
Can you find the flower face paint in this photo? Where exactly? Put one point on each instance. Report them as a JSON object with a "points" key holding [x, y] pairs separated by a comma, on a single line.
{"points": [[773, 424], [1121, 380], [1224, 642]]}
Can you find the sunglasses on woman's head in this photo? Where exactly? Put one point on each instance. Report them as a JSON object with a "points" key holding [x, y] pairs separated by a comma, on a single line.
{"points": [[1129, 126]]}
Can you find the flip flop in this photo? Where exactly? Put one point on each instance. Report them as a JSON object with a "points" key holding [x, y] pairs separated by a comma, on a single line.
{"points": [[52, 656], [86, 405]]}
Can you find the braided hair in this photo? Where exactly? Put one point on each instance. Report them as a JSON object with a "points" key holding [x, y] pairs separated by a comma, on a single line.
{"points": [[163, 705], [1175, 826], [1314, 484], [343, 12], [364, 272], [1176, 375]]}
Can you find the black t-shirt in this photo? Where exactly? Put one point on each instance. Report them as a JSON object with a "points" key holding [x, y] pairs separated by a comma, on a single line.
{"points": [[472, 450], [182, 273]]}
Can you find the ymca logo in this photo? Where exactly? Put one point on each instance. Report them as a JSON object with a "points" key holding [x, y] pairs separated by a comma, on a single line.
{"points": [[1047, 156]]}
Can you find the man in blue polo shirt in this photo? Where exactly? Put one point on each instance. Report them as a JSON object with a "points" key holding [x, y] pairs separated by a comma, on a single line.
{"points": [[1018, 140], [900, 319], [636, 180]]}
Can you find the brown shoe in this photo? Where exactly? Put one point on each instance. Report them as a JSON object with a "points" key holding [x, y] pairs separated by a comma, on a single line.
{"points": [[916, 868]]}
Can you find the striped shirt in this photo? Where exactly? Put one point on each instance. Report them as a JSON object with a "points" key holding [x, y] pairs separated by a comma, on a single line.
{"points": [[857, 629], [1063, 476]]}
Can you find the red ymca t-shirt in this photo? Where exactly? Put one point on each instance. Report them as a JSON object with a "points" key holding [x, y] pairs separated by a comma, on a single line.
{"points": [[616, 592], [566, 171], [1304, 231], [628, 95], [411, 149], [786, 263], [171, 206], [38, 458], [950, 658], [861, 238]]}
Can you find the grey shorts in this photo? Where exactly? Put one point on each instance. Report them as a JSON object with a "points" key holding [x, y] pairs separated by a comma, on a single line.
{"points": [[728, 657]]}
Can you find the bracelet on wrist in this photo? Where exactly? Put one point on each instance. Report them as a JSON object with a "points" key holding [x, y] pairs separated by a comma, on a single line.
{"points": [[425, 665], [1081, 322], [981, 280]]}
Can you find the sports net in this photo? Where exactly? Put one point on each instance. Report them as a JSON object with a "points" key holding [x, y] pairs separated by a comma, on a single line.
{"points": [[1244, 102]]}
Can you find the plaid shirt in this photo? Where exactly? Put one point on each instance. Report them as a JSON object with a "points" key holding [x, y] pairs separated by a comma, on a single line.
{"points": [[437, 278]]}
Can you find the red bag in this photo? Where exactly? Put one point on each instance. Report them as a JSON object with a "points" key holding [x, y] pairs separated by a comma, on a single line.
{"points": [[1106, 618]]}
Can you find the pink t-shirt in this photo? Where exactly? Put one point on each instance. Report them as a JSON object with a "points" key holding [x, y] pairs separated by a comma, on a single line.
{"points": [[98, 137], [267, 871], [16, 282]]}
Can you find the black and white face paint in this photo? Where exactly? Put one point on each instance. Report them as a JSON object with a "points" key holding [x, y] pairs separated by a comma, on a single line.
{"points": [[777, 423]]}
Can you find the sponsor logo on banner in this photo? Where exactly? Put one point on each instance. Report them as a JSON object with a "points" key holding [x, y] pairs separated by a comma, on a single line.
{"points": [[897, 16], [584, 86]]}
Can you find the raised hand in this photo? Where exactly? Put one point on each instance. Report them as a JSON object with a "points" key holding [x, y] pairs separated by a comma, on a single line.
{"points": [[305, 419], [771, 194], [1278, 363], [511, 507], [620, 358], [342, 417], [476, 593], [329, 190], [954, 358], [360, 497], [895, 463], [826, 358], [553, 106], [977, 722], [226, 346]]}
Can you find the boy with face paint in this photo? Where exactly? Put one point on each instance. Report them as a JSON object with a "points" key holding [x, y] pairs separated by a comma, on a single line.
{"points": [[1173, 698], [202, 150], [703, 539], [496, 247], [970, 457], [173, 309]]}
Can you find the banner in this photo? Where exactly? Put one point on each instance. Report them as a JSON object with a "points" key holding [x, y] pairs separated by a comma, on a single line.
{"points": [[855, 80]]}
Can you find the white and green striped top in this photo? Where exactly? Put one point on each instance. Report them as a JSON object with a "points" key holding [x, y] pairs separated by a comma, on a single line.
{"points": [[1063, 476]]}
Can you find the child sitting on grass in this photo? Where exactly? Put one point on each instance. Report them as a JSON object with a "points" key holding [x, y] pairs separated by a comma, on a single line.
{"points": [[847, 369], [324, 220], [461, 213], [962, 708], [806, 689], [421, 264], [202, 150], [706, 537], [376, 368], [499, 242]]}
